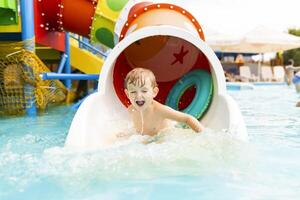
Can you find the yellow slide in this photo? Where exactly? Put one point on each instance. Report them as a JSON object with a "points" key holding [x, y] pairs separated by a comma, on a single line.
{"points": [[84, 60]]}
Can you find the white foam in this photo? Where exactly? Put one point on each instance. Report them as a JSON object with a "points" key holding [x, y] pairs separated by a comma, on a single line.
{"points": [[173, 152]]}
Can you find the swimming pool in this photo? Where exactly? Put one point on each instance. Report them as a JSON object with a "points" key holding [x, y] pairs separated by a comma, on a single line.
{"points": [[186, 166]]}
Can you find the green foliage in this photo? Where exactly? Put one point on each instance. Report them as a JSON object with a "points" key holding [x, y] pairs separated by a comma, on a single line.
{"points": [[294, 53], [294, 32]]}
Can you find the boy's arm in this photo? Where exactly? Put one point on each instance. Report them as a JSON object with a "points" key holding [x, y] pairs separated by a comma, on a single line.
{"points": [[182, 117]]}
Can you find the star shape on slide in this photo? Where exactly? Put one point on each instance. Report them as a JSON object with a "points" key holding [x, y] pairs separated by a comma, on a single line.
{"points": [[179, 56]]}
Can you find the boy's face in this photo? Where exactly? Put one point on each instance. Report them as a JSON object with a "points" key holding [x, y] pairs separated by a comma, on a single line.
{"points": [[141, 96]]}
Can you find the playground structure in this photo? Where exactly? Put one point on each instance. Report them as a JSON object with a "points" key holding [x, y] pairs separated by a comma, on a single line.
{"points": [[23, 87], [168, 40]]}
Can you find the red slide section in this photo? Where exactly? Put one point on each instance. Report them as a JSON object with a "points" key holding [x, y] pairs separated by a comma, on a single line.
{"points": [[52, 17]]}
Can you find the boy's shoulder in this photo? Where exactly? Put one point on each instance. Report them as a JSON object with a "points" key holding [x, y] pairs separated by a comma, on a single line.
{"points": [[157, 105], [161, 107]]}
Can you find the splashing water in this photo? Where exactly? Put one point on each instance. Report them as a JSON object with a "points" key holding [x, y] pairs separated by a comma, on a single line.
{"points": [[142, 122], [174, 152], [177, 152]]}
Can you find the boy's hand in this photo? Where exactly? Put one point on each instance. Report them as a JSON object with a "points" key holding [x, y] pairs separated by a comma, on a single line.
{"points": [[195, 124]]}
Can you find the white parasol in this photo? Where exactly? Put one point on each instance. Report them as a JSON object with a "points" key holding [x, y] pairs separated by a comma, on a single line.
{"points": [[259, 40]]}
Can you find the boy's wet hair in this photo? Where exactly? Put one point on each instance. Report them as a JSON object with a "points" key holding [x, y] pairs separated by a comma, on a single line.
{"points": [[138, 76]]}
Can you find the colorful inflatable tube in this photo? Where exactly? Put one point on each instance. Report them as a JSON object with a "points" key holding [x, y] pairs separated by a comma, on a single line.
{"points": [[199, 79]]}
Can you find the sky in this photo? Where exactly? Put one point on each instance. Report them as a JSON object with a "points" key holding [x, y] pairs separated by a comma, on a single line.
{"points": [[240, 16]]}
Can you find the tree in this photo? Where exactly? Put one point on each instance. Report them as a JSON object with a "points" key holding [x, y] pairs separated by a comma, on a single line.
{"points": [[294, 53]]}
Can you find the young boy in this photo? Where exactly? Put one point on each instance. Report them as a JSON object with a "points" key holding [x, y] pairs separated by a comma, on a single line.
{"points": [[149, 116]]}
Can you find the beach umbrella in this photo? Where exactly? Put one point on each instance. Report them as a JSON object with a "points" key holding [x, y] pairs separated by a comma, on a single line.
{"points": [[262, 40], [259, 40], [218, 40], [221, 41]]}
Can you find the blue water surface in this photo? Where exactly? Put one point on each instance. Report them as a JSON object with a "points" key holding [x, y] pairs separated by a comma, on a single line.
{"points": [[34, 164]]}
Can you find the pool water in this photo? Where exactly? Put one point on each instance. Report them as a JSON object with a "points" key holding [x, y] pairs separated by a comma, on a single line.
{"points": [[211, 165]]}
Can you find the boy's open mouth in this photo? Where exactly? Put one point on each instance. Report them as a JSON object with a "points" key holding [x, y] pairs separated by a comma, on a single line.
{"points": [[140, 103]]}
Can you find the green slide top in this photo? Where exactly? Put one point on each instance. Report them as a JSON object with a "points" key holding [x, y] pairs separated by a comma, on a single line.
{"points": [[8, 12]]}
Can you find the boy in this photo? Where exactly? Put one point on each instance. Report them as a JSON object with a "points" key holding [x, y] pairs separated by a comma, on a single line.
{"points": [[149, 116]]}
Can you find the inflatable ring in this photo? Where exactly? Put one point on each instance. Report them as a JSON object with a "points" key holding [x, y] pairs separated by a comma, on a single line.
{"points": [[202, 80]]}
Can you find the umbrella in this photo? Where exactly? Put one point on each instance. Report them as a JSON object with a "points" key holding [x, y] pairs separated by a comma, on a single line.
{"points": [[260, 40], [219, 41]]}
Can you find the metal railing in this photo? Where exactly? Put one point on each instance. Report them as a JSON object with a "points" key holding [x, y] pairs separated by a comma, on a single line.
{"points": [[83, 44]]}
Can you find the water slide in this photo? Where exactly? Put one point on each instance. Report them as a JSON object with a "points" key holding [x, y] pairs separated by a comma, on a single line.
{"points": [[49, 32], [162, 37], [9, 12], [84, 60], [9, 18]]}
